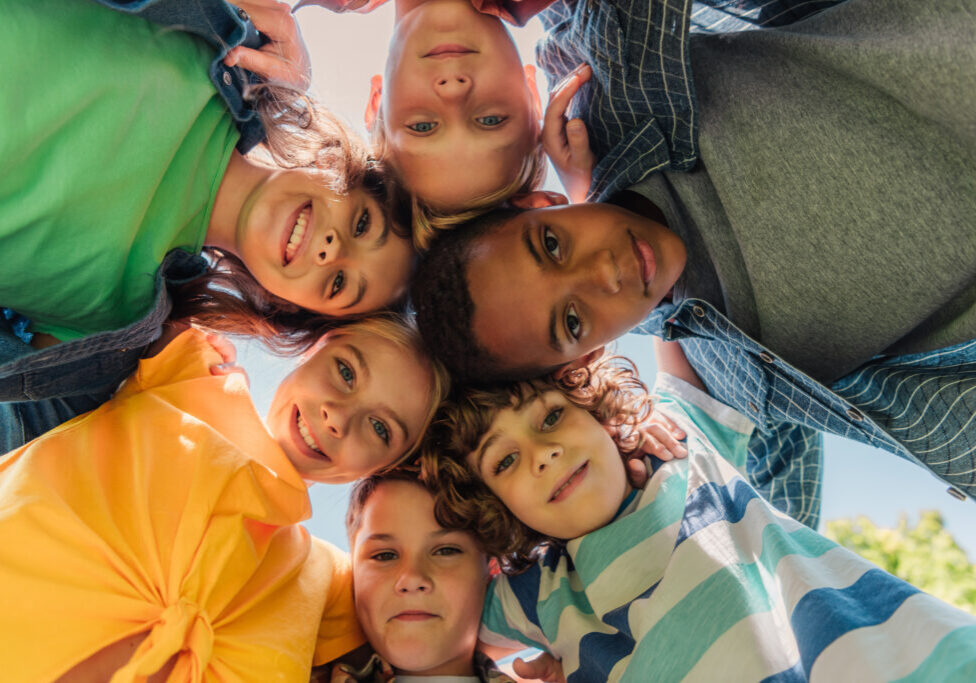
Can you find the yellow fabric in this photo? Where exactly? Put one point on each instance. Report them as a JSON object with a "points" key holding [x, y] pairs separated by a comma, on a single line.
{"points": [[168, 511]]}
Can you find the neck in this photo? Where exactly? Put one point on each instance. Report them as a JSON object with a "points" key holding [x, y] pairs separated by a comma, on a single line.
{"points": [[639, 204], [404, 7], [462, 666], [240, 180]]}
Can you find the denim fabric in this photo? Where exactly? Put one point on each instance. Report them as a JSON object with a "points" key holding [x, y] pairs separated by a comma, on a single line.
{"points": [[639, 106], [224, 27], [76, 376], [920, 407]]}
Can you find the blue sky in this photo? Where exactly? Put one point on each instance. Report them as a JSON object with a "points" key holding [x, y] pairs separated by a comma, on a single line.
{"points": [[858, 480]]}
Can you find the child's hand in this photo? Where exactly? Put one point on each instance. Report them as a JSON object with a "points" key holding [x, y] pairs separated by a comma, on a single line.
{"points": [[545, 667], [661, 438], [566, 142], [284, 59], [228, 354]]}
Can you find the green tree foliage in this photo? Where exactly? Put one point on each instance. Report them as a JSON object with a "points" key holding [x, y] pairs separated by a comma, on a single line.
{"points": [[927, 556]]}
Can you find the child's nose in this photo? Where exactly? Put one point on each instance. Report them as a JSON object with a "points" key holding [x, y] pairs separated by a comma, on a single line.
{"points": [[329, 248], [600, 272], [543, 456], [453, 87]]}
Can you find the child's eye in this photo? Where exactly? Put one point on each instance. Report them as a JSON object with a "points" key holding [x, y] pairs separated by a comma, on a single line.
{"points": [[384, 556], [337, 284], [422, 126], [380, 429], [505, 463], [551, 244], [551, 418], [362, 225], [573, 324], [345, 372], [491, 120], [448, 550]]}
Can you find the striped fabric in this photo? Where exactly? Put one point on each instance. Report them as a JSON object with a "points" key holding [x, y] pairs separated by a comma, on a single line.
{"points": [[699, 578], [639, 106], [920, 407]]}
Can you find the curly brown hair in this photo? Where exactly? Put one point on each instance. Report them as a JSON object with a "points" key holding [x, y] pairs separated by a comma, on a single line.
{"points": [[608, 388]]}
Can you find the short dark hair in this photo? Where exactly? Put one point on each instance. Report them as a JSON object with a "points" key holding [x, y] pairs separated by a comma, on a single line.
{"points": [[442, 300]]}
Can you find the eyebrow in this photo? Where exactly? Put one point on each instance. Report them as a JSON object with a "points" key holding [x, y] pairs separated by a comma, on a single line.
{"points": [[382, 537], [554, 342], [360, 292], [484, 448], [381, 240]]}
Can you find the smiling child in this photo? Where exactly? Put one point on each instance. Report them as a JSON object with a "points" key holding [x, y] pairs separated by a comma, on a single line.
{"points": [[695, 576]]}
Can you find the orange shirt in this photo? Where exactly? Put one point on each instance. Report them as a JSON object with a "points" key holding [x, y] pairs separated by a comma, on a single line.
{"points": [[170, 511]]}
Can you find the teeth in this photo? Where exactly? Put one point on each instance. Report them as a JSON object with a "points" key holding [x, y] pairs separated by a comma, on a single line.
{"points": [[568, 482], [307, 435], [297, 233]]}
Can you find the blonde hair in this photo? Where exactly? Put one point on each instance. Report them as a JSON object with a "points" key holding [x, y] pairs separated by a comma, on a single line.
{"points": [[402, 333], [427, 221], [608, 388]]}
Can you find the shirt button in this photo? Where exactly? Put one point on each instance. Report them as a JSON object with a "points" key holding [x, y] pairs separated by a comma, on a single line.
{"points": [[956, 493], [242, 14], [753, 407], [698, 311], [765, 357], [855, 414], [124, 349], [227, 79]]}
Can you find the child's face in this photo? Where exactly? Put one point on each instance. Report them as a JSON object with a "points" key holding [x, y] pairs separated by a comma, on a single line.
{"points": [[553, 466], [593, 271], [352, 408], [419, 588], [459, 113], [329, 253]]}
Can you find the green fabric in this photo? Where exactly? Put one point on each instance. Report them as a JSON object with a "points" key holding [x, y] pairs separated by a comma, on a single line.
{"points": [[113, 142]]}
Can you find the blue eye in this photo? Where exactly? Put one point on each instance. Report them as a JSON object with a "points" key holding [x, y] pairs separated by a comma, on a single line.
{"points": [[505, 463], [551, 244], [573, 324], [337, 284], [380, 429], [491, 120], [422, 126], [551, 418], [345, 372], [362, 225]]}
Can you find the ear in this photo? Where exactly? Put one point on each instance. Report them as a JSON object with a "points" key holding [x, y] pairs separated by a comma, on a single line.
{"points": [[373, 104], [578, 363], [533, 90], [538, 199]]}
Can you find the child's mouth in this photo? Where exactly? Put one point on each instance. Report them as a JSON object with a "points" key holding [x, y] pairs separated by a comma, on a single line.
{"points": [[567, 487], [295, 237], [301, 426], [450, 50]]}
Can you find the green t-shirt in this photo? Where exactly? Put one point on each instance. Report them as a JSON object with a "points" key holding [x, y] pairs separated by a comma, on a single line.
{"points": [[113, 142]]}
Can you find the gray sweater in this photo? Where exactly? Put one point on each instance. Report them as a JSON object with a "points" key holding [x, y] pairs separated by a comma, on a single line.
{"points": [[833, 212]]}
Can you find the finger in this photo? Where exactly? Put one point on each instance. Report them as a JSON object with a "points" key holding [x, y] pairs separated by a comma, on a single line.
{"points": [[579, 144], [667, 440], [637, 473], [269, 66], [562, 94], [272, 18], [669, 424], [222, 346]]}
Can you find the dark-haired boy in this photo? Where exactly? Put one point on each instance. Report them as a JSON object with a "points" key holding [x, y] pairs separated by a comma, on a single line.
{"points": [[830, 282]]}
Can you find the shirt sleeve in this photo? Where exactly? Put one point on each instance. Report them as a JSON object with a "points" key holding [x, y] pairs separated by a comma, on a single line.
{"points": [[723, 426], [504, 622], [339, 631]]}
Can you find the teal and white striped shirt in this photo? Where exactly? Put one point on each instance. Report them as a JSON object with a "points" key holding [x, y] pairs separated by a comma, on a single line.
{"points": [[699, 578]]}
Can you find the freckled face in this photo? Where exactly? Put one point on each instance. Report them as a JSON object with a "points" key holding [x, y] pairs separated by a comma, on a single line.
{"points": [[327, 252], [574, 277], [353, 408], [419, 588], [459, 115], [553, 466]]}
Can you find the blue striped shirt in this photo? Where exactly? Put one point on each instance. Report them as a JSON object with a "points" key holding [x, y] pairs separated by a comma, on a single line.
{"points": [[699, 578]]}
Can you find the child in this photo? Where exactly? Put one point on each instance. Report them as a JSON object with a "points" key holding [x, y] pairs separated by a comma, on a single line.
{"points": [[694, 577], [419, 587], [457, 114], [161, 532], [807, 310], [104, 175]]}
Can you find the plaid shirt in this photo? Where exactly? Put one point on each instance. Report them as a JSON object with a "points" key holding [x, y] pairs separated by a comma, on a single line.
{"points": [[639, 108]]}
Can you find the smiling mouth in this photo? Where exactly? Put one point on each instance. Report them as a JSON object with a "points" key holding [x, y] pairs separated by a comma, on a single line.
{"points": [[451, 50], [297, 234], [306, 434], [567, 487]]}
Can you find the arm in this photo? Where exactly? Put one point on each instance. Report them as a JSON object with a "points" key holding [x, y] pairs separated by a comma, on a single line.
{"points": [[671, 359], [284, 58]]}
